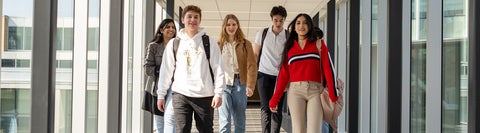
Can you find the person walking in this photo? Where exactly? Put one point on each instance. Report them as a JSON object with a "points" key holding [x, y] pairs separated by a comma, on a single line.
{"points": [[153, 60], [192, 65], [268, 47], [300, 68], [240, 68]]}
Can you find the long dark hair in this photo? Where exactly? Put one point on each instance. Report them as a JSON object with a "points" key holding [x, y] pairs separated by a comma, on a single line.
{"points": [[158, 37], [311, 35]]}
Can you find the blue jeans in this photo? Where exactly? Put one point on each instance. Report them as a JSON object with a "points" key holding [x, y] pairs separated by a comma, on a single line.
{"points": [[325, 127], [169, 119], [166, 123], [158, 120], [234, 103]]}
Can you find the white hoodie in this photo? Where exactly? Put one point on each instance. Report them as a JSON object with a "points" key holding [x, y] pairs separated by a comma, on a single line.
{"points": [[191, 79]]}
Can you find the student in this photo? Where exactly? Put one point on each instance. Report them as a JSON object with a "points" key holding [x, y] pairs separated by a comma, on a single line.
{"points": [[197, 82], [153, 60], [268, 49], [300, 67], [240, 68]]}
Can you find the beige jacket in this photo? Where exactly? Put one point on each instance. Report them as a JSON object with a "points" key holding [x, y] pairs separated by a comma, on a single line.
{"points": [[247, 64]]}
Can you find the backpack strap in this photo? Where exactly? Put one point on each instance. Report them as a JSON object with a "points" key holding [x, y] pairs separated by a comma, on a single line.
{"points": [[206, 46], [176, 42], [264, 34]]}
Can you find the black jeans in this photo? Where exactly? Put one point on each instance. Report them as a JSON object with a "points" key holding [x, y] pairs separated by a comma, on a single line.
{"points": [[184, 107], [271, 122]]}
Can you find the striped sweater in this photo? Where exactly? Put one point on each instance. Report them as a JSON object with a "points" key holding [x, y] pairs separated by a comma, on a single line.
{"points": [[304, 65]]}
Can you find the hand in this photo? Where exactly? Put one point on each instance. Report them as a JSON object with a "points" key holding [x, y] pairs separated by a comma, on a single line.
{"points": [[161, 105], [274, 109], [340, 83], [249, 92], [216, 102]]}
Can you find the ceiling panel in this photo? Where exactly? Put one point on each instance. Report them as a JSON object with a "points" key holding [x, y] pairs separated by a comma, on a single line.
{"points": [[254, 15]]}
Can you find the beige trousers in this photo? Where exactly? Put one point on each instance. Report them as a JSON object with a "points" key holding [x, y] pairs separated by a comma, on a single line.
{"points": [[304, 102]]}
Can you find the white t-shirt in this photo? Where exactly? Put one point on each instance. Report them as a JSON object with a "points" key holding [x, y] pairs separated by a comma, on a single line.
{"points": [[271, 56]]}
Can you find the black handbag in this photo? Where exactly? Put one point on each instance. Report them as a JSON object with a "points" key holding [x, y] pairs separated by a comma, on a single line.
{"points": [[150, 104]]}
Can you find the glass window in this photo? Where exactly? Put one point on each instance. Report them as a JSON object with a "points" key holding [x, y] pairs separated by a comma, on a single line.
{"points": [[65, 37], [455, 64], [374, 66], [15, 38], [63, 84], [92, 64], [15, 94], [19, 37], [65, 64], [129, 90], [59, 38], [15, 118], [23, 63], [28, 38], [418, 66], [68, 38], [8, 63], [93, 37]]}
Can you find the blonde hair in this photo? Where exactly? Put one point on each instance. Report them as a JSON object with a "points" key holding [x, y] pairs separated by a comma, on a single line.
{"points": [[239, 36]]}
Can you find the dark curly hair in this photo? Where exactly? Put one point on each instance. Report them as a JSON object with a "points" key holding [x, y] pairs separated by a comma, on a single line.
{"points": [[319, 32], [278, 10]]}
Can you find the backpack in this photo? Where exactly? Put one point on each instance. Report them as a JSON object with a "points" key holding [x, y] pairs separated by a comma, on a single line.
{"points": [[264, 34], [206, 46]]}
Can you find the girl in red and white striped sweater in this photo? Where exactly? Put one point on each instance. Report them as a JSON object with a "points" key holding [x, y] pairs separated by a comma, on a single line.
{"points": [[300, 68]]}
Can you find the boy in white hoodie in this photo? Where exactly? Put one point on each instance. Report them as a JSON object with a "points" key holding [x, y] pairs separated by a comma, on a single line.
{"points": [[194, 92]]}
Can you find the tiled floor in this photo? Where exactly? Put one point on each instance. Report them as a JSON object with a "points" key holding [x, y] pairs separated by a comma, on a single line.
{"points": [[253, 124]]}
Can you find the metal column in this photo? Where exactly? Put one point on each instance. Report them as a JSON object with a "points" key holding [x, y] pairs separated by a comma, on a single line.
{"points": [[331, 28], [43, 66], [473, 67], [354, 67], [394, 66], [115, 54]]}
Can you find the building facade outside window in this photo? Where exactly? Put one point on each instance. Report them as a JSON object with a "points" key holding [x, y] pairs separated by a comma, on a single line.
{"points": [[16, 55], [455, 66]]}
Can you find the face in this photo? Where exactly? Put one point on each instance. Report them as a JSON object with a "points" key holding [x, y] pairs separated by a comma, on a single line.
{"points": [[168, 30], [191, 20], [278, 21], [301, 26], [231, 27]]}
